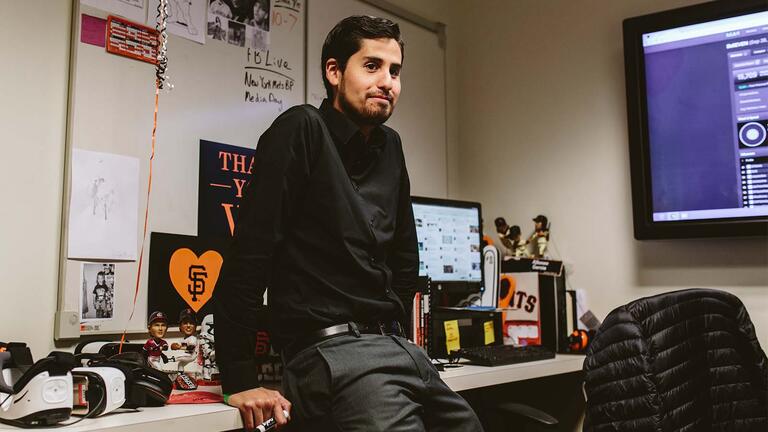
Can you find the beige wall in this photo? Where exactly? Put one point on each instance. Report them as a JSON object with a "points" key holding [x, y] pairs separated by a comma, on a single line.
{"points": [[33, 100], [537, 124], [543, 130]]}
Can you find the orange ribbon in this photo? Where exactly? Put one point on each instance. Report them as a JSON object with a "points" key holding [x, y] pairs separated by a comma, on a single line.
{"points": [[146, 215]]}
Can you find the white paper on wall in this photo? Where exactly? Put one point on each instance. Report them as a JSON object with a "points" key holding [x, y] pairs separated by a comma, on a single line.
{"points": [[103, 207], [134, 10], [186, 18]]}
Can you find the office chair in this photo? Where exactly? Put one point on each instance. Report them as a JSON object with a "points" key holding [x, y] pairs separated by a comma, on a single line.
{"points": [[681, 361], [523, 418]]}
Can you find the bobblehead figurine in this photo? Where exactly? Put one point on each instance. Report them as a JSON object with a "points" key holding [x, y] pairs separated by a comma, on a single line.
{"points": [[502, 229], [153, 349], [510, 238], [188, 328], [540, 236], [207, 351], [519, 246]]}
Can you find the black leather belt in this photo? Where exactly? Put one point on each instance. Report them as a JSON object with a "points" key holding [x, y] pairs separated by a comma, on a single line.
{"points": [[392, 328]]}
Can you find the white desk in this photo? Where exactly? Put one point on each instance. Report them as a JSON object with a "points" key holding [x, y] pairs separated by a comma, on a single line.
{"points": [[187, 418], [468, 377], [217, 417]]}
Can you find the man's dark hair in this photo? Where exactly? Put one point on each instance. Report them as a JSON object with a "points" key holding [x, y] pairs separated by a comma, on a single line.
{"points": [[345, 39]]}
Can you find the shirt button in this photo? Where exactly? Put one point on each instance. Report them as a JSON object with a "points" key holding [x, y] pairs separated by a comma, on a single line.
{"points": [[372, 260]]}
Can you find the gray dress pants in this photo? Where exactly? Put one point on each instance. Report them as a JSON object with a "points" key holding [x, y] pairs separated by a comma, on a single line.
{"points": [[371, 383]]}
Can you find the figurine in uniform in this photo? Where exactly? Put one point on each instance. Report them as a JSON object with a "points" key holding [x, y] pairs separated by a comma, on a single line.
{"points": [[510, 238], [207, 351], [187, 327], [502, 229], [540, 236], [155, 345], [519, 246]]}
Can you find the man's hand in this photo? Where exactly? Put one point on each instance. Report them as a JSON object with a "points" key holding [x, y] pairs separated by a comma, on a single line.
{"points": [[258, 405]]}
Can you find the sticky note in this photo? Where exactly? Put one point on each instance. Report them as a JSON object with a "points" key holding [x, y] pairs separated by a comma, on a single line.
{"points": [[452, 342], [490, 337]]}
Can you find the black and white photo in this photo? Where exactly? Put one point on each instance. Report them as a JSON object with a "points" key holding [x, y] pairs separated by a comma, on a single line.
{"points": [[98, 291], [236, 33]]}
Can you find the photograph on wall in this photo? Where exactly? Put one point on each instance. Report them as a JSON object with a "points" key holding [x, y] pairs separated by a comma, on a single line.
{"points": [[236, 33], [251, 12], [220, 8], [224, 172], [103, 207], [134, 10], [186, 18], [218, 26], [97, 301], [258, 40]]}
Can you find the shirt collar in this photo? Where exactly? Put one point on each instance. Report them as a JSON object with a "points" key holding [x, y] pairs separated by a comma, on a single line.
{"points": [[343, 129]]}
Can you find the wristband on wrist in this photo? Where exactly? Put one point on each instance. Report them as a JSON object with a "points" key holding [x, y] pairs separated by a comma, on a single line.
{"points": [[226, 398]]}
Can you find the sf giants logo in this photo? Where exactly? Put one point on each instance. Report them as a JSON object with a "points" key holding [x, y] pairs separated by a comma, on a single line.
{"points": [[197, 275], [193, 277]]}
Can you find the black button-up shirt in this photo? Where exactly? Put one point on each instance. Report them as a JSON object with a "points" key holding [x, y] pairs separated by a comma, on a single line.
{"points": [[326, 225]]}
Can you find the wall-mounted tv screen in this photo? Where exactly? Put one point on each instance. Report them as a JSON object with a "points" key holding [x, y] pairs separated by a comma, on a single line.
{"points": [[697, 106]]}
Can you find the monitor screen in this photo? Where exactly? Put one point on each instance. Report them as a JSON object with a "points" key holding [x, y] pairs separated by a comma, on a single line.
{"points": [[703, 87], [449, 237]]}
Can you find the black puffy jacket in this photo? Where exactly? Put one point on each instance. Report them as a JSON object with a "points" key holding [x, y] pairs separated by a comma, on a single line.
{"points": [[681, 361]]}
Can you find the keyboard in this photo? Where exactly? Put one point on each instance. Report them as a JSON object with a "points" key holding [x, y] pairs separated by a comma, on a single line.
{"points": [[497, 355]]}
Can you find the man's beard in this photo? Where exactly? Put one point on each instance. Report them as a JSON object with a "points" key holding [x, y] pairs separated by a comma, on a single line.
{"points": [[367, 116]]}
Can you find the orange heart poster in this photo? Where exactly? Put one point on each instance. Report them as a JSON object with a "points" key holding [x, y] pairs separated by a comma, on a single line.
{"points": [[183, 273]]}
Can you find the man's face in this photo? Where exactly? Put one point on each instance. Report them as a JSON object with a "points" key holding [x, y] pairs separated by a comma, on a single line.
{"points": [[187, 328], [157, 329], [368, 88]]}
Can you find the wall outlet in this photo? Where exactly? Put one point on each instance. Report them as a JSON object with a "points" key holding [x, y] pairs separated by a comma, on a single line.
{"points": [[67, 325]]}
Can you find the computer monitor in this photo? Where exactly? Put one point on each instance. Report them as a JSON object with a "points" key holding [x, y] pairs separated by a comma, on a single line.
{"points": [[697, 87], [449, 235]]}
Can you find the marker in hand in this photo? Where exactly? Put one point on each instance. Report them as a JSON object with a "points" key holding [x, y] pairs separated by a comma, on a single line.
{"points": [[270, 424]]}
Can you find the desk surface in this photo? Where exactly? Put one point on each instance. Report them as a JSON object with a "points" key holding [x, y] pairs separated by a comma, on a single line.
{"points": [[468, 376], [185, 418]]}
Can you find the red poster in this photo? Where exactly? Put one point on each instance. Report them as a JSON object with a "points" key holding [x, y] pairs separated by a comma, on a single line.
{"points": [[132, 40]]}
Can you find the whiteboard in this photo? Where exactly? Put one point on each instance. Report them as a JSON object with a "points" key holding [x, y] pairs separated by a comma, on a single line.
{"points": [[111, 110], [420, 114]]}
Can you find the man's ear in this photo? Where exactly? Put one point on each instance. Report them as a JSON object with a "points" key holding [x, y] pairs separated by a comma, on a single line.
{"points": [[332, 71]]}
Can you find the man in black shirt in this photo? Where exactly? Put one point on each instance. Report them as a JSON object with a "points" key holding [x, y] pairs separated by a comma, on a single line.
{"points": [[326, 225]]}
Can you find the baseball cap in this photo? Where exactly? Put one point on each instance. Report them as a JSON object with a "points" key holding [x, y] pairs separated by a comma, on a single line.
{"points": [[187, 315], [157, 316]]}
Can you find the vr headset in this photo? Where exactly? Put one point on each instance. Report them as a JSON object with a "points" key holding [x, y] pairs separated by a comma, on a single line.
{"points": [[144, 386], [48, 391], [97, 390], [34, 394], [106, 348]]}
